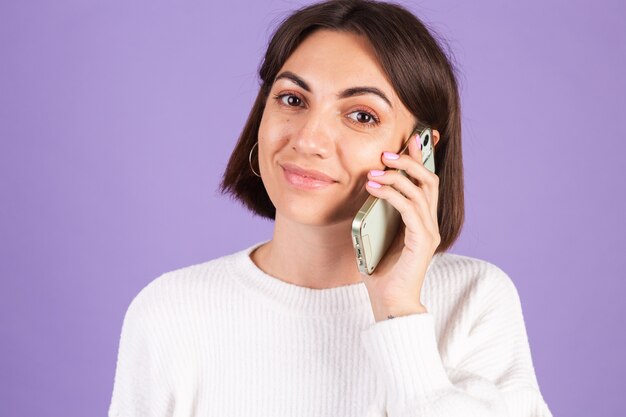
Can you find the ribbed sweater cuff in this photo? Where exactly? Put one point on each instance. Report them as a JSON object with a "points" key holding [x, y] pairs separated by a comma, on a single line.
{"points": [[404, 353]]}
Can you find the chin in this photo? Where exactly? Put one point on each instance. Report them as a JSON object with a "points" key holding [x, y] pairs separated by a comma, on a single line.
{"points": [[306, 212], [316, 213], [322, 207]]}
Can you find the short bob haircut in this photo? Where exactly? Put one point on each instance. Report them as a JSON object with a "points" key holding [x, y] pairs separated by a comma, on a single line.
{"points": [[418, 69]]}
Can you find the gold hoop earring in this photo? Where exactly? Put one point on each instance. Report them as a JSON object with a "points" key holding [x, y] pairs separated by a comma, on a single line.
{"points": [[250, 159]]}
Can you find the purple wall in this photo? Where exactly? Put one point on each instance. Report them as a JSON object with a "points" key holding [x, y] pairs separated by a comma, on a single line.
{"points": [[117, 119]]}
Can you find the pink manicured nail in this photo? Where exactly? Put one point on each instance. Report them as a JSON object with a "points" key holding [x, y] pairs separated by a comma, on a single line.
{"points": [[374, 184], [418, 141], [377, 173], [391, 155]]}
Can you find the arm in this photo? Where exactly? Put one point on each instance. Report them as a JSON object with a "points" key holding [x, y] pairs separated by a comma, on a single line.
{"points": [[494, 377], [140, 388]]}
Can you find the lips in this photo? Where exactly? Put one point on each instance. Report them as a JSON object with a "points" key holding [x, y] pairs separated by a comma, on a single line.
{"points": [[307, 173], [306, 179]]}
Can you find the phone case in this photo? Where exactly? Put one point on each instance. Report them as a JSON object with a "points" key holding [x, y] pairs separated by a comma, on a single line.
{"points": [[375, 225]]}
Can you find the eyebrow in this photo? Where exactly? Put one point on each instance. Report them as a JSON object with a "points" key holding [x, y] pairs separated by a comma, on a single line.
{"points": [[348, 92]]}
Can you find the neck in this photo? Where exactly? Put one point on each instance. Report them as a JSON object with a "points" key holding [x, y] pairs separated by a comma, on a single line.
{"points": [[308, 255]]}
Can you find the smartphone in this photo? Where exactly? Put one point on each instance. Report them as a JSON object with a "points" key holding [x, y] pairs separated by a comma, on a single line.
{"points": [[375, 225]]}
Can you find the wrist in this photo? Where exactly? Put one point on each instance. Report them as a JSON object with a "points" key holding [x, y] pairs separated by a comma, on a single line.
{"points": [[386, 312]]}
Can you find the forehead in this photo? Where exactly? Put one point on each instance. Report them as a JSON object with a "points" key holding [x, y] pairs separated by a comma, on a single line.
{"points": [[334, 59]]}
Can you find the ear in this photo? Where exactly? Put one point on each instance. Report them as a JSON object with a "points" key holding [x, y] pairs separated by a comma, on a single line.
{"points": [[435, 137]]}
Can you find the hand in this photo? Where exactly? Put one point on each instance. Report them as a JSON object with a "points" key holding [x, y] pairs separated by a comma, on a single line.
{"points": [[395, 285]]}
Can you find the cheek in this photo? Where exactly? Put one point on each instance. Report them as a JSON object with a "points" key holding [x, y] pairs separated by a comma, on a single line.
{"points": [[274, 133], [359, 158], [275, 127]]}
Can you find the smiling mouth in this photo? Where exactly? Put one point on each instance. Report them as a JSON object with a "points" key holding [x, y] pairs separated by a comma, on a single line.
{"points": [[309, 173], [303, 181]]}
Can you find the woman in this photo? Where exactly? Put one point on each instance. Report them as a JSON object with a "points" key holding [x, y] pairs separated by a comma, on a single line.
{"points": [[290, 327]]}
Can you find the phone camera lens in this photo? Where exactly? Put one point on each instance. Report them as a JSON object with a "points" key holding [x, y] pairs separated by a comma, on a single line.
{"points": [[426, 140]]}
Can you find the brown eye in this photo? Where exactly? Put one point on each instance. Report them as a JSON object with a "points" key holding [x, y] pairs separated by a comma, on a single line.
{"points": [[290, 100], [362, 117]]}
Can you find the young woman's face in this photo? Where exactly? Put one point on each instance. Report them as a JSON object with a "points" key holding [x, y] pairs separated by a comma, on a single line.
{"points": [[330, 110]]}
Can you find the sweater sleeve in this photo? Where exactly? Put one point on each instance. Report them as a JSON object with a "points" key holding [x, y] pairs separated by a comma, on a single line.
{"points": [[140, 387], [493, 378]]}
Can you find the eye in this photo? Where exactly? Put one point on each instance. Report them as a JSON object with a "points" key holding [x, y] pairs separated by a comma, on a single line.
{"points": [[364, 118], [288, 99]]}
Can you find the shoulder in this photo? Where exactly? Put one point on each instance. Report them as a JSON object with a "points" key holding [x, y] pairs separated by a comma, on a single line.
{"points": [[470, 268], [470, 278], [178, 288]]}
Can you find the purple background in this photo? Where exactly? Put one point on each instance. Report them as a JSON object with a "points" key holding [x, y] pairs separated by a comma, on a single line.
{"points": [[117, 119]]}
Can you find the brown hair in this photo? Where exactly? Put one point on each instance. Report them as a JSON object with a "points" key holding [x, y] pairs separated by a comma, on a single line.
{"points": [[421, 73]]}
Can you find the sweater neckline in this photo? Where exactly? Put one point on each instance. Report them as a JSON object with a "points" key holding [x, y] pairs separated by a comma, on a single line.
{"points": [[297, 299]]}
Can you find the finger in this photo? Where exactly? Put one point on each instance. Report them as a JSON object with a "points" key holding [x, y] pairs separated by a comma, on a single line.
{"points": [[409, 190], [425, 179], [408, 210], [415, 148], [431, 183]]}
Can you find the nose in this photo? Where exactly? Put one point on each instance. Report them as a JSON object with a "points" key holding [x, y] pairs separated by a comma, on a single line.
{"points": [[314, 138]]}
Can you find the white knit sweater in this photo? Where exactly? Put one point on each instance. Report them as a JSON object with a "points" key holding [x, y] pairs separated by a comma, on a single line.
{"points": [[222, 338]]}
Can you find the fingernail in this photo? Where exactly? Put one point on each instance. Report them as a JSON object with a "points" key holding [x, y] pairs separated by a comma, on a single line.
{"points": [[417, 140], [391, 155], [374, 184], [377, 173]]}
